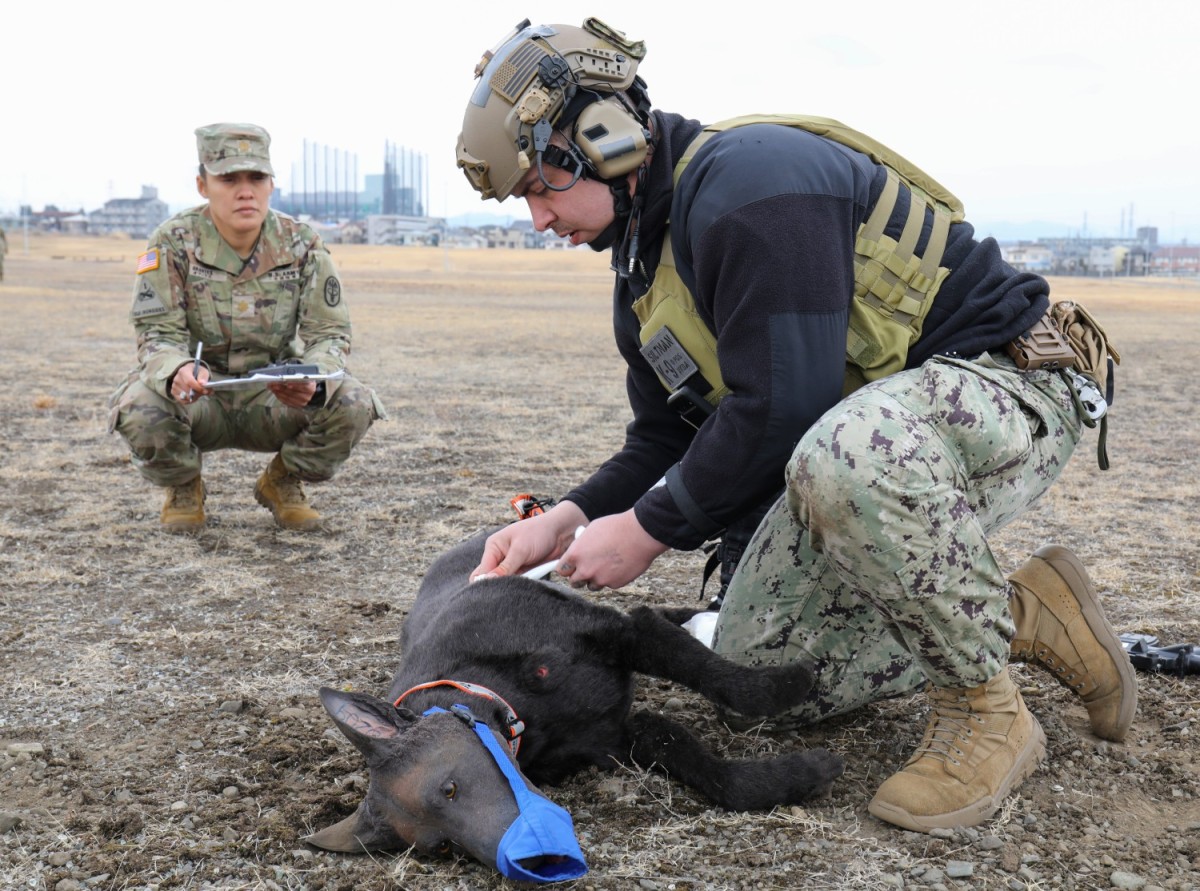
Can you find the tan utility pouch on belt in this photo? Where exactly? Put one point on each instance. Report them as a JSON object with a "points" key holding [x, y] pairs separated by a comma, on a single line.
{"points": [[1089, 343], [1068, 339], [1042, 348]]}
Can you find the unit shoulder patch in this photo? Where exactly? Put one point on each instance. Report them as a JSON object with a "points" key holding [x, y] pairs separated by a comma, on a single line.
{"points": [[333, 291], [147, 302]]}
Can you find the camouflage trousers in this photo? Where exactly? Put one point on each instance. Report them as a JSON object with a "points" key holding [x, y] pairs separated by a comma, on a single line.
{"points": [[874, 565], [167, 440]]}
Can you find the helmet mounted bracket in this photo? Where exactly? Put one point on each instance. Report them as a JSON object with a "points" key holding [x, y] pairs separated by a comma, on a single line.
{"points": [[555, 156]]}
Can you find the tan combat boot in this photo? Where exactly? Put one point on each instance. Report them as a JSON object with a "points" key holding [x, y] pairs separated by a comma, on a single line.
{"points": [[1061, 627], [183, 511], [980, 744], [281, 492]]}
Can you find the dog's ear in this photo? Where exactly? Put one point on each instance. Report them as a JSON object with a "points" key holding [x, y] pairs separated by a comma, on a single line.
{"points": [[544, 670], [365, 720]]}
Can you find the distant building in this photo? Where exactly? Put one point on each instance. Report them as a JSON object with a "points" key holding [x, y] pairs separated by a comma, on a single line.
{"points": [[76, 224], [398, 229], [1179, 259], [136, 217], [49, 219], [384, 190], [510, 235], [1096, 256], [1028, 256], [325, 186]]}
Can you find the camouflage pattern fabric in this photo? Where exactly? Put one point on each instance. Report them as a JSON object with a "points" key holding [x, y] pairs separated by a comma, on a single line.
{"points": [[874, 565], [229, 148], [167, 439], [285, 301]]}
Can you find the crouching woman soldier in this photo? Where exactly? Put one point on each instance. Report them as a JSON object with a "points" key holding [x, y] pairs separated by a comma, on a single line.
{"points": [[243, 287]]}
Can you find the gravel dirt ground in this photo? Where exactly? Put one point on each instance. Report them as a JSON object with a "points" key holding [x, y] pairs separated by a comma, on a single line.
{"points": [[159, 719]]}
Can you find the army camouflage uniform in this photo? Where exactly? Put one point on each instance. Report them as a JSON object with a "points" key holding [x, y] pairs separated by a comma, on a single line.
{"points": [[285, 301], [3, 251], [874, 566]]}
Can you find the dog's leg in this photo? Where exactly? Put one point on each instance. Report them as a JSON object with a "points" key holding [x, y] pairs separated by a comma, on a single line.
{"points": [[736, 785], [661, 648]]}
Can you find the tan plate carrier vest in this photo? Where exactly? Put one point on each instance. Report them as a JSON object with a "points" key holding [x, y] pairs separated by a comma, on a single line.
{"points": [[893, 287]]}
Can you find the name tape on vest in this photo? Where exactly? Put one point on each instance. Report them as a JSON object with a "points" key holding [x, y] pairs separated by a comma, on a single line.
{"points": [[667, 356]]}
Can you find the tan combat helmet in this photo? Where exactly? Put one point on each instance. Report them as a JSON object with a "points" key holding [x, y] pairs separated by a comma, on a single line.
{"points": [[543, 78]]}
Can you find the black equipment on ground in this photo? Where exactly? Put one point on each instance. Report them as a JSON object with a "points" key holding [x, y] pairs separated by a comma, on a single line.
{"points": [[1146, 655]]}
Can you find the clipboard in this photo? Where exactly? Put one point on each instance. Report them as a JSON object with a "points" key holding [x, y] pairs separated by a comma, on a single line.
{"points": [[274, 374]]}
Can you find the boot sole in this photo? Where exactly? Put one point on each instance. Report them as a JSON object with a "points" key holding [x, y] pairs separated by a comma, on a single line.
{"points": [[1067, 565], [977, 811]]}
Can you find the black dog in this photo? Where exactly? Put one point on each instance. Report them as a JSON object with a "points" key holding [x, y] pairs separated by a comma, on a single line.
{"points": [[542, 666]]}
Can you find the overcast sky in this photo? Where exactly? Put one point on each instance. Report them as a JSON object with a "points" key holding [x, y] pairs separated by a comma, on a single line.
{"points": [[1075, 114]]}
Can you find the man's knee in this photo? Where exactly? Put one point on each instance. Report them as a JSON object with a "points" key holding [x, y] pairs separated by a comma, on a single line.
{"points": [[144, 419], [352, 410]]}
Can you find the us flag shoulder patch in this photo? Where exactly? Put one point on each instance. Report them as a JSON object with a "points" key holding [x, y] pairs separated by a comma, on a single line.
{"points": [[148, 261]]}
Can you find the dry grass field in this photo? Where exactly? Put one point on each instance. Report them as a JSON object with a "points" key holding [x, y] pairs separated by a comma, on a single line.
{"points": [[159, 724]]}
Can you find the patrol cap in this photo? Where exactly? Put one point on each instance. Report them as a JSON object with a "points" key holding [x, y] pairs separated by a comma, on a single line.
{"points": [[229, 148]]}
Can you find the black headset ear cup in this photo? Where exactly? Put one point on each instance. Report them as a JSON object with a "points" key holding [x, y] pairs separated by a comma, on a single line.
{"points": [[612, 139]]}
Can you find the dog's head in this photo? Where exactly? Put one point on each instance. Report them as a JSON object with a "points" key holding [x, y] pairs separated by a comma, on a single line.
{"points": [[443, 783]]}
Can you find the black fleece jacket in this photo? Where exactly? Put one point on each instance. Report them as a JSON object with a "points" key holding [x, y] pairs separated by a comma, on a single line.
{"points": [[763, 225]]}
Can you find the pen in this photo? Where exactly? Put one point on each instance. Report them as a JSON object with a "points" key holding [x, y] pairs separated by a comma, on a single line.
{"points": [[196, 364]]}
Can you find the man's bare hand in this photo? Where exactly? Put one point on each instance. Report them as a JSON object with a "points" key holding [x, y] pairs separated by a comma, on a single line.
{"points": [[527, 543], [612, 553]]}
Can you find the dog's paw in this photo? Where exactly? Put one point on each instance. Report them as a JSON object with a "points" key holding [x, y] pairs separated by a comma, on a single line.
{"points": [[778, 689], [811, 774]]}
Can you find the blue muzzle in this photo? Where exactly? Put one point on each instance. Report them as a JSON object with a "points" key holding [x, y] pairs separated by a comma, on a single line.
{"points": [[539, 845]]}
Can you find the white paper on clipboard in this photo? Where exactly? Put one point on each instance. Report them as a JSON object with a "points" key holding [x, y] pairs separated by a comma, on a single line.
{"points": [[261, 380]]}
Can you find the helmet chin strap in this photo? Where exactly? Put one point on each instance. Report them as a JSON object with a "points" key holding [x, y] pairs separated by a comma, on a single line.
{"points": [[623, 204], [571, 160]]}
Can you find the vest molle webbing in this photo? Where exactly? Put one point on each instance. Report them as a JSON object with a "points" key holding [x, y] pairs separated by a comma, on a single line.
{"points": [[893, 286]]}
